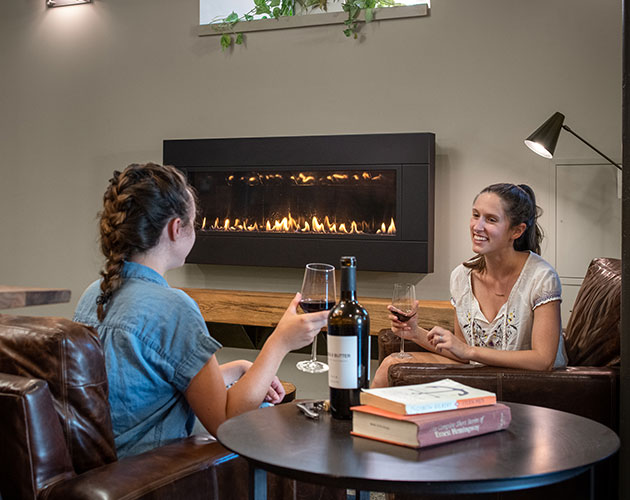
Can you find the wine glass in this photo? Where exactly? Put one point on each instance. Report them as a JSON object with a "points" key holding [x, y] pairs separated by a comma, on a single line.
{"points": [[404, 301], [318, 294]]}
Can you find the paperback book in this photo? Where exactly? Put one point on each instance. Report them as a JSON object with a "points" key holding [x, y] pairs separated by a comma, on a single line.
{"points": [[445, 394], [417, 431]]}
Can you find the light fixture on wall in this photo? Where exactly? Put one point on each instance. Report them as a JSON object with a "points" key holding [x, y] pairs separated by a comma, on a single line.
{"points": [[543, 140], [65, 3]]}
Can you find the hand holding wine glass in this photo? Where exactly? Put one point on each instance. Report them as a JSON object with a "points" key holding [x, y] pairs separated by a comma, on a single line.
{"points": [[318, 294], [404, 307]]}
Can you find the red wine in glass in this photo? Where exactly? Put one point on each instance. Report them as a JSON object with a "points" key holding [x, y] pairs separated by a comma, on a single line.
{"points": [[404, 302], [318, 294], [403, 317], [313, 305]]}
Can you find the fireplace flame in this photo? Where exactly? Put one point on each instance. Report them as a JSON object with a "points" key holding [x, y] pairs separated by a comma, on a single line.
{"points": [[301, 179], [290, 224]]}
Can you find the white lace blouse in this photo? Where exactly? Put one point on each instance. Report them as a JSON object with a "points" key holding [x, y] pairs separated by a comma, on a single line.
{"points": [[511, 329]]}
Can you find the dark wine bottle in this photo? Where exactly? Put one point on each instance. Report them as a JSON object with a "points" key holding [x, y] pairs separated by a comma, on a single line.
{"points": [[348, 345]]}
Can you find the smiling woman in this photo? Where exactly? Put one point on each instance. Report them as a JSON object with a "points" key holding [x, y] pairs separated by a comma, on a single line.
{"points": [[506, 297]]}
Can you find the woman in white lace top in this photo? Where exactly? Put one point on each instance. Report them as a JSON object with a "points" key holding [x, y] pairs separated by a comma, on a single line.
{"points": [[506, 298]]}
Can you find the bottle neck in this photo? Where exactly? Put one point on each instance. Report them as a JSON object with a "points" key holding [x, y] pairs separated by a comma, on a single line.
{"points": [[349, 283]]}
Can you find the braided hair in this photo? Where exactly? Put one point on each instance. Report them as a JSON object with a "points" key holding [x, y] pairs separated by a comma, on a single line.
{"points": [[137, 205], [519, 203]]}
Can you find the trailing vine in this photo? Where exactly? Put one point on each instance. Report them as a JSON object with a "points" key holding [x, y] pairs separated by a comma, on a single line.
{"points": [[277, 8]]}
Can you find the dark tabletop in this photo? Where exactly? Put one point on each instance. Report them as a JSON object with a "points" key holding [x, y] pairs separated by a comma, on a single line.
{"points": [[541, 446]]}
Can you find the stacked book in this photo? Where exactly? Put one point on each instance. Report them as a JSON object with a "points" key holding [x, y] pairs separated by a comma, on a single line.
{"points": [[428, 414]]}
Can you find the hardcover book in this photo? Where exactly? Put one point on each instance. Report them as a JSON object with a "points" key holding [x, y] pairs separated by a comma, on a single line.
{"points": [[445, 394], [417, 431]]}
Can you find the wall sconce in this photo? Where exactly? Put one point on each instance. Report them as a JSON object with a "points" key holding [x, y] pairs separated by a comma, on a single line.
{"points": [[65, 3], [543, 140]]}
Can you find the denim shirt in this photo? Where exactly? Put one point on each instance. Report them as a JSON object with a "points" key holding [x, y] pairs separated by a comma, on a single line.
{"points": [[155, 341]]}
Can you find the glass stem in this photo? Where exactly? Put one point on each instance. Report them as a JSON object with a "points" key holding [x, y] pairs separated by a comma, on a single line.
{"points": [[314, 349], [402, 345]]}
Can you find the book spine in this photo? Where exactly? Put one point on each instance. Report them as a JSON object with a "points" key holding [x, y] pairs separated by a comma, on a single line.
{"points": [[488, 419]]}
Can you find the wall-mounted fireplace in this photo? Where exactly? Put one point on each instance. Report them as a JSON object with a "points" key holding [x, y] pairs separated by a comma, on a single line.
{"points": [[286, 201]]}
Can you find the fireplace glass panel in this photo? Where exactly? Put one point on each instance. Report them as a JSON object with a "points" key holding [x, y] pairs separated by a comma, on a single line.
{"points": [[323, 202]]}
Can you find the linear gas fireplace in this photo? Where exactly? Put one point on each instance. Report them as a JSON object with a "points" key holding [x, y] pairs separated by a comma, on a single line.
{"points": [[286, 201]]}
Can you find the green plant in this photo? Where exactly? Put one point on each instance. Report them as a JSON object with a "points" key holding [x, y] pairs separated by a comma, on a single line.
{"points": [[354, 7], [266, 8], [278, 8]]}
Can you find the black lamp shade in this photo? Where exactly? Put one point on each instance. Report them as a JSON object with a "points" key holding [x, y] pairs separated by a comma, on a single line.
{"points": [[543, 140]]}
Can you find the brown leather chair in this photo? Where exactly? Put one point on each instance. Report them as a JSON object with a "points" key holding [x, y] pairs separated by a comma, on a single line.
{"points": [[57, 441], [589, 386], [56, 438]]}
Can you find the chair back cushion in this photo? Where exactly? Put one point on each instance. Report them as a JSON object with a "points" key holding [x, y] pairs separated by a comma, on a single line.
{"points": [[593, 334], [33, 452], [69, 358]]}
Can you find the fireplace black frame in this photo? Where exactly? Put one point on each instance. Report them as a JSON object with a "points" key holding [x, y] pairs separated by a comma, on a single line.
{"points": [[412, 155]]}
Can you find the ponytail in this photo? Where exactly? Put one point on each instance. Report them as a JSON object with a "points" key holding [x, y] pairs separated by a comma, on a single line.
{"points": [[533, 235]]}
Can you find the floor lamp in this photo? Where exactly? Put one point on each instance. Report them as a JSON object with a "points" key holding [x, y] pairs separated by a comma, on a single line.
{"points": [[543, 140]]}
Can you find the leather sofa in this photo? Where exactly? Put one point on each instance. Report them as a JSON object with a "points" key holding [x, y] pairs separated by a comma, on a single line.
{"points": [[56, 439], [588, 386]]}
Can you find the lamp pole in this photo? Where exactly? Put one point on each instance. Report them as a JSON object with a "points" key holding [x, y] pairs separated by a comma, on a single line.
{"points": [[566, 127]]}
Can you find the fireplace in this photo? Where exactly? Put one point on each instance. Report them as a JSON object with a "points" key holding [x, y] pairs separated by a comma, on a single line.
{"points": [[286, 201]]}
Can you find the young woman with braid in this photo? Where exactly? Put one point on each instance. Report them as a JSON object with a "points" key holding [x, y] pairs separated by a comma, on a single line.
{"points": [[160, 358], [506, 298]]}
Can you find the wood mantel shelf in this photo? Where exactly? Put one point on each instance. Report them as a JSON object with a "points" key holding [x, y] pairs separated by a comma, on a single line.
{"points": [[20, 296], [240, 307]]}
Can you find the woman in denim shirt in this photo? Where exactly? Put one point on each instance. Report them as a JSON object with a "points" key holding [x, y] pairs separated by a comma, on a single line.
{"points": [[159, 355]]}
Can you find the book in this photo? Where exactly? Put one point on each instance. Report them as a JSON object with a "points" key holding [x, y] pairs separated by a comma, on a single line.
{"points": [[428, 429], [445, 394]]}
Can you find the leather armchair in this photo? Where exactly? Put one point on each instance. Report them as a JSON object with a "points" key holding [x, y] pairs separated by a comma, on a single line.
{"points": [[589, 386], [56, 439]]}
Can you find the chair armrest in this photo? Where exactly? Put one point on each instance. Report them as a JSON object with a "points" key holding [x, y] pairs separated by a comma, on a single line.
{"points": [[195, 467], [389, 343], [33, 453], [591, 392]]}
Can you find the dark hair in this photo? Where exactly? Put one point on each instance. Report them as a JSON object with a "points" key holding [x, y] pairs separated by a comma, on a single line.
{"points": [[519, 204], [136, 206]]}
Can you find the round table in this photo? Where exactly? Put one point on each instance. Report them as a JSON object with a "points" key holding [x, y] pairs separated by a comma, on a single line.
{"points": [[541, 446]]}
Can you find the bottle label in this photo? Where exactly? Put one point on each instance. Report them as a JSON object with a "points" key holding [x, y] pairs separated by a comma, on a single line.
{"points": [[343, 364], [369, 360]]}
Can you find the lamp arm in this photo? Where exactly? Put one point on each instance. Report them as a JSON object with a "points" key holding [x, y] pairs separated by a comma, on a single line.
{"points": [[566, 127]]}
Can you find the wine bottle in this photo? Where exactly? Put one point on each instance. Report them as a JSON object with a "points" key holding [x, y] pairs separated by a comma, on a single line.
{"points": [[348, 345]]}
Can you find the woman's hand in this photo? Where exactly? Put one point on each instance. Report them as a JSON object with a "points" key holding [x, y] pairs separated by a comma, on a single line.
{"points": [[442, 339], [407, 330], [294, 330], [275, 393]]}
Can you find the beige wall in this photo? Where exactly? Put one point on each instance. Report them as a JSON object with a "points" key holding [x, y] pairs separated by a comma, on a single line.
{"points": [[85, 90]]}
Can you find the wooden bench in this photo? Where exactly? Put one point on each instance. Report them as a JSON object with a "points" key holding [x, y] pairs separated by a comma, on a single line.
{"points": [[240, 307], [20, 296]]}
